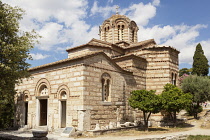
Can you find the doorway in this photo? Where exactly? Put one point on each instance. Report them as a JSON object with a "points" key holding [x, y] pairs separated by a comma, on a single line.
{"points": [[26, 113], [63, 114], [43, 112]]}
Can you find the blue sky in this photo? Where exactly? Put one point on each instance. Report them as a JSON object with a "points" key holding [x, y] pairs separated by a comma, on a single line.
{"points": [[69, 23]]}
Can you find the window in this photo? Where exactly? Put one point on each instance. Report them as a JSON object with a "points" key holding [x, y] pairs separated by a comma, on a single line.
{"points": [[133, 35], [122, 31], [106, 33], [43, 91], [173, 79], [118, 34], [105, 81]]}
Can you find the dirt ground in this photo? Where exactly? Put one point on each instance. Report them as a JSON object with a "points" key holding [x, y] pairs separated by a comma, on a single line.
{"points": [[192, 127]]}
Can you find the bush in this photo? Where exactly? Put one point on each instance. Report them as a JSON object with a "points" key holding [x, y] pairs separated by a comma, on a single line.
{"points": [[193, 109]]}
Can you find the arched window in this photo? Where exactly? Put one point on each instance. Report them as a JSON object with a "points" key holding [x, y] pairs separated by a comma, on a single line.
{"points": [[122, 31], [105, 81], [105, 33], [63, 95], [43, 91], [118, 32], [133, 32], [173, 78]]}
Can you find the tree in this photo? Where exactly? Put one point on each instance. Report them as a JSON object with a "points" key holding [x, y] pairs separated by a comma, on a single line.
{"points": [[14, 51], [184, 71], [199, 87], [174, 100], [181, 78], [200, 62], [146, 101]]}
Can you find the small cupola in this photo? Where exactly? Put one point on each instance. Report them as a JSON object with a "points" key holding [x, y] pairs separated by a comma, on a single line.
{"points": [[118, 28]]}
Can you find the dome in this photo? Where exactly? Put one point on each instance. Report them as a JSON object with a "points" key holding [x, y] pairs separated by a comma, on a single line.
{"points": [[118, 28]]}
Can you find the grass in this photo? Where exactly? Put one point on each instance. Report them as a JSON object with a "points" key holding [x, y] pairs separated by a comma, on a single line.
{"points": [[198, 137]]}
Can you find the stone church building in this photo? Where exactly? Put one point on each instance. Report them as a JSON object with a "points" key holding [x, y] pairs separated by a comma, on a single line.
{"points": [[91, 87]]}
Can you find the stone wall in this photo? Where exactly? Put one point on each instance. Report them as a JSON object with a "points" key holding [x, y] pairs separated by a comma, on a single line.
{"points": [[82, 83], [122, 83], [68, 79], [161, 63]]}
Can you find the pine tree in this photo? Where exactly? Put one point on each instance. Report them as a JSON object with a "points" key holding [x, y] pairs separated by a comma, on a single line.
{"points": [[200, 62]]}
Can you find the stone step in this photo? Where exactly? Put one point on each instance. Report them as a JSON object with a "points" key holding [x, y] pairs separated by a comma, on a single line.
{"points": [[42, 128]]}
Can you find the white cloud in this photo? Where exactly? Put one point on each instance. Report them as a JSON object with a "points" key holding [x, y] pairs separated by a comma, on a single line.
{"points": [[141, 13], [63, 24], [54, 19], [156, 2], [182, 37], [103, 11], [205, 45], [38, 56], [51, 35], [110, 1], [160, 34], [64, 11]]}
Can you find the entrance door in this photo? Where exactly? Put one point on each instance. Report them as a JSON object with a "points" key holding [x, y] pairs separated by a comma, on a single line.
{"points": [[63, 114], [26, 113], [43, 112]]}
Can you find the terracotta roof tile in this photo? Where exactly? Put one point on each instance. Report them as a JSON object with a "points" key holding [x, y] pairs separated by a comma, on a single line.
{"points": [[128, 55], [141, 43], [162, 46], [66, 60]]}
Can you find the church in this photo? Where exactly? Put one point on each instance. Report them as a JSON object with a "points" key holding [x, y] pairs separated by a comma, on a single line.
{"points": [[92, 86]]}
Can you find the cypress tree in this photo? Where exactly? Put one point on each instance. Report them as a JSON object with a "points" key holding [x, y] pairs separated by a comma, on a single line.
{"points": [[200, 62]]}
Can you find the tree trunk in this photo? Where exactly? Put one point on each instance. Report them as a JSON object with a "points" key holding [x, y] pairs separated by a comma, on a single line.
{"points": [[174, 118], [196, 111], [146, 119]]}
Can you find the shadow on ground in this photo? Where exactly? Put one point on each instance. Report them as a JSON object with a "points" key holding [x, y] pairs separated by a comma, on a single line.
{"points": [[12, 137]]}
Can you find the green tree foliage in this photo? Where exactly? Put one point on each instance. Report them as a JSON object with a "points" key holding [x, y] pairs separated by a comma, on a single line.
{"points": [[200, 62], [146, 101], [174, 100], [199, 87], [14, 51], [185, 71]]}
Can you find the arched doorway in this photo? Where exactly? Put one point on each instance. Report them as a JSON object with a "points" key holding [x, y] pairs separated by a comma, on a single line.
{"points": [[26, 109], [43, 105]]}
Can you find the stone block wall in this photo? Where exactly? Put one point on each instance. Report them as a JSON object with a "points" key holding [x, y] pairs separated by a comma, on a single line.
{"points": [[161, 62], [122, 83], [68, 79]]}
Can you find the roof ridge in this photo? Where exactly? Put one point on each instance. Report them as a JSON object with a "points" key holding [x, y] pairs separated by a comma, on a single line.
{"points": [[66, 60]]}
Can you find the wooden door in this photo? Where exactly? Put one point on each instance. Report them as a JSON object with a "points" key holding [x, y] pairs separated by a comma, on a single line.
{"points": [[26, 113]]}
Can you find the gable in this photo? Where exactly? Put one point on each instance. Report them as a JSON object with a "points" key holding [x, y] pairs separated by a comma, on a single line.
{"points": [[102, 61]]}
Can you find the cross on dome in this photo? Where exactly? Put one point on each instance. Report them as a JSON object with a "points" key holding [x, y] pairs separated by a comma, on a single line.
{"points": [[117, 8]]}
